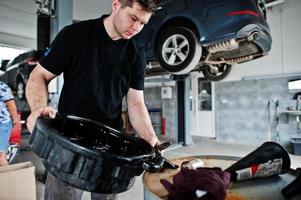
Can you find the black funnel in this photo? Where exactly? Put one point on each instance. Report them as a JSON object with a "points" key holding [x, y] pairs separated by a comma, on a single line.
{"points": [[267, 160]]}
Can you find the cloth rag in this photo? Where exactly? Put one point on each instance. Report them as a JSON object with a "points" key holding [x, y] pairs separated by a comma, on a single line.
{"points": [[214, 181]]}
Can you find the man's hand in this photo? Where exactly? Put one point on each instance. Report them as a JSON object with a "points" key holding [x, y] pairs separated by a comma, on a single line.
{"points": [[44, 111]]}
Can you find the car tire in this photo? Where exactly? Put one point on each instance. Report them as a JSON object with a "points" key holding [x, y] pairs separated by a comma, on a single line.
{"points": [[216, 75], [179, 50], [21, 89]]}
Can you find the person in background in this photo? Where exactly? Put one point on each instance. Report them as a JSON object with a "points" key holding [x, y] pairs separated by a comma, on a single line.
{"points": [[101, 64], [8, 119]]}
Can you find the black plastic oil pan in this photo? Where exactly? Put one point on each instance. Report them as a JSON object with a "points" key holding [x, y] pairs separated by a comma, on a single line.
{"points": [[91, 156]]}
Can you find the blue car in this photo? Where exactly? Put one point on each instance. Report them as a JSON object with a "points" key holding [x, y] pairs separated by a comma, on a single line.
{"points": [[206, 35]]}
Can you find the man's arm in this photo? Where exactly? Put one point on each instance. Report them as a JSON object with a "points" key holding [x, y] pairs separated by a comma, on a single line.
{"points": [[12, 109], [139, 116], [37, 95]]}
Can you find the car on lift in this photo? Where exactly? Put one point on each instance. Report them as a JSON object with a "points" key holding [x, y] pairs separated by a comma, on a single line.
{"points": [[16, 71], [206, 35]]}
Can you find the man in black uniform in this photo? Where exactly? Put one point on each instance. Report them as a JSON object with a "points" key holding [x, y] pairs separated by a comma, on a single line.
{"points": [[101, 65]]}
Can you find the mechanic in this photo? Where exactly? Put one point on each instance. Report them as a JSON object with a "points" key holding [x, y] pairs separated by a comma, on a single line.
{"points": [[101, 64]]}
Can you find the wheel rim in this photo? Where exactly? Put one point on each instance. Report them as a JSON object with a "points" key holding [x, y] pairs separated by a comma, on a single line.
{"points": [[20, 90], [216, 71], [175, 49]]}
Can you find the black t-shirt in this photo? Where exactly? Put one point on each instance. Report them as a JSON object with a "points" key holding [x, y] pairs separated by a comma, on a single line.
{"points": [[97, 71]]}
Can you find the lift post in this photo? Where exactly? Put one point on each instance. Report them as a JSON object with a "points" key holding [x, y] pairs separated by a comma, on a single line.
{"points": [[183, 108]]}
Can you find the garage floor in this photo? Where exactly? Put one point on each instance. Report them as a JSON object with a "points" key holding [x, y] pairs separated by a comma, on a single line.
{"points": [[201, 146]]}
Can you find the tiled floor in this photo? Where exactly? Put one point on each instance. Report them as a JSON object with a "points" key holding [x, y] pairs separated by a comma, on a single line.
{"points": [[200, 147]]}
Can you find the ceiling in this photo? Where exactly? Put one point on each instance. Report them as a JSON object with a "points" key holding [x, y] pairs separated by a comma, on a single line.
{"points": [[18, 19]]}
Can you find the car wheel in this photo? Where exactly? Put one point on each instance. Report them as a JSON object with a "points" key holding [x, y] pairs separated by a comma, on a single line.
{"points": [[179, 50], [216, 72], [21, 89]]}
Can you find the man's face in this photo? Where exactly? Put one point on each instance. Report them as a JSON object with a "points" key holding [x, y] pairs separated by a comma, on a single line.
{"points": [[129, 21]]}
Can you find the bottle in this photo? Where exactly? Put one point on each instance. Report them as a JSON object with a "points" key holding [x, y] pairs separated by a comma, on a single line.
{"points": [[193, 164]]}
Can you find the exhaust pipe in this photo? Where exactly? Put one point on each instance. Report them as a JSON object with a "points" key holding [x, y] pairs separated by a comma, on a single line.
{"points": [[254, 36]]}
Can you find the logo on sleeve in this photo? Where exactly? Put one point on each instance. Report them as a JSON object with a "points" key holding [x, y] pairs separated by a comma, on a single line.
{"points": [[46, 52]]}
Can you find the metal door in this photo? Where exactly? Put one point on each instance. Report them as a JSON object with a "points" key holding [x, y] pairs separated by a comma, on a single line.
{"points": [[202, 107]]}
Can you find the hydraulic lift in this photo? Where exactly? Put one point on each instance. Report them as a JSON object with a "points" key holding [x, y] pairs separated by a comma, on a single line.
{"points": [[52, 16], [183, 109]]}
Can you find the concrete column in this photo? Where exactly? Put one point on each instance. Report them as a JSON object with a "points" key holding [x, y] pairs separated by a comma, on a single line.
{"points": [[63, 16]]}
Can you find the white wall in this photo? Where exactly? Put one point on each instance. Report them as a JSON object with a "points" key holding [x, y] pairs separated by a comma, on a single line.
{"points": [[292, 36], [283, 59]]}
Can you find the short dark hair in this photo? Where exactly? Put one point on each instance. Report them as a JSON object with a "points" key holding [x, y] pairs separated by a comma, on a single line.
{"points": [[147, 5]]}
